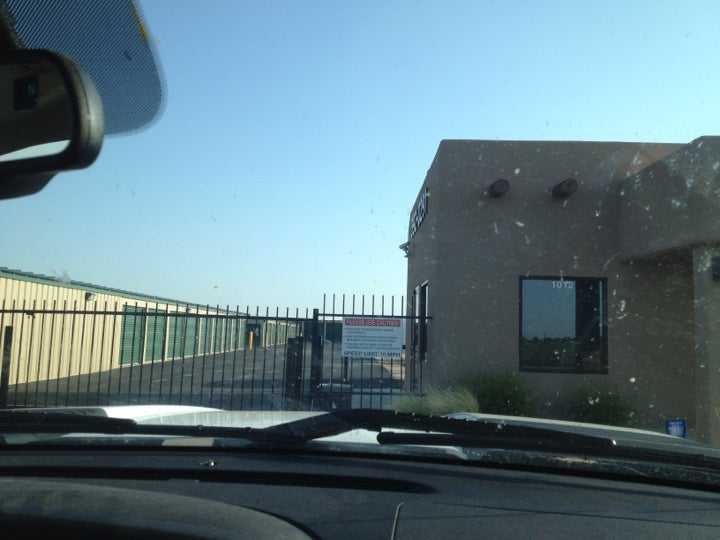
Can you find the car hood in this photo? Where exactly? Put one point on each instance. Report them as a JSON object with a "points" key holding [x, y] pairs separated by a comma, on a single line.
{"points": [[190, 415], [193, 416], [696, 473], [184, 415]]}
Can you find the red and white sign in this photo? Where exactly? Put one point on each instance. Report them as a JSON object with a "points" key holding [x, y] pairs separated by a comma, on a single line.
{"points": [[372, 337]]}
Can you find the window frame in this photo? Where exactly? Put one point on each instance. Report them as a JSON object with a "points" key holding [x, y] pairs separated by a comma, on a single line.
{"points": [[604, 353]]}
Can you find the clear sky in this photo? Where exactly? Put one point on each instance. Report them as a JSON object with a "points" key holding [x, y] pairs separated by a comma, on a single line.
{"points": [[295, 135]]}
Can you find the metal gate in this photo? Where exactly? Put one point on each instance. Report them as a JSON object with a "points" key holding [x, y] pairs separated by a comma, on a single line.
{"points": [[195, 355]]}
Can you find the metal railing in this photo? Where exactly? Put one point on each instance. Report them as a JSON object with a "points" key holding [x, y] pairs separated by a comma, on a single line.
{"points": [[135, 353]]}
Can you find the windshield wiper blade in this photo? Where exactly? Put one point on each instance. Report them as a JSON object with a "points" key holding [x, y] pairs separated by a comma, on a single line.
{"points": [[429, 431], [485, 433], [551, 446], [29, 421], [76, 421], [536, 443]]}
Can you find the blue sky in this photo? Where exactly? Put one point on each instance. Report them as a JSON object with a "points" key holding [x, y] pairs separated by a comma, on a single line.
{"points": [[295, 135]]}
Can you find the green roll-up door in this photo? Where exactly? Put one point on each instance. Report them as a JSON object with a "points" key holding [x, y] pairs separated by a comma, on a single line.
{"points": [[219, 335], [176, 344], [241, 334], [229, 334], [191, 336], [155, 343], [132, 335], [202, 335], [208, 339], [268, 333], [234, 336]]}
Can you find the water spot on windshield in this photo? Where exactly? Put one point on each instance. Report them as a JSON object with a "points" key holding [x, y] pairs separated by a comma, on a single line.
{"points": [[632, 380], [677, 203], [517, 171], [519, 224]]}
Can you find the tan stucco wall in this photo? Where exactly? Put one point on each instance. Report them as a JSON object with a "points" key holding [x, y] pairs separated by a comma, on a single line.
{"points": [[473, 249], [674, 203], [707, 344]]}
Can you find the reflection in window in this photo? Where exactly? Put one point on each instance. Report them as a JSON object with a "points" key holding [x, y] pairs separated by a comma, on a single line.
{"points": [[563, 325]]}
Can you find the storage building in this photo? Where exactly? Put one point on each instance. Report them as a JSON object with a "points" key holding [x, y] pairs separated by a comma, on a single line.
{"points": [[572, 264]]}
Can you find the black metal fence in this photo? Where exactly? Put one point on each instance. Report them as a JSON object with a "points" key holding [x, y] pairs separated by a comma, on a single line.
{"points": [[137, 353]]}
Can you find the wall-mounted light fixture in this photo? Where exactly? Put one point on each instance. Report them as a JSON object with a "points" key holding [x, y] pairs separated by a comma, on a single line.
{"points": [[565, 188], [405, 247], [498, 188]]}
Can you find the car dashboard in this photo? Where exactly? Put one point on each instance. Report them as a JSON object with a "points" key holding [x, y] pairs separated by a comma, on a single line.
{"points": [[205, 493]]}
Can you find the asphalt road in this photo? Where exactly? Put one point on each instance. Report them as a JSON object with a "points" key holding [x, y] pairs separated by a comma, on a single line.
{"points": [[240, 379]]}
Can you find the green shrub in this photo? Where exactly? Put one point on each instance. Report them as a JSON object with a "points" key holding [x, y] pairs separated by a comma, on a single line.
{"points": [[598, 406], [416, 404], [491, 394], [439, 401], [502, 394]]}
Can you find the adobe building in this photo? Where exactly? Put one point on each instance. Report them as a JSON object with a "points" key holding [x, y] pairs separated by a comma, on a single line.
{"points": [[573, 264]]}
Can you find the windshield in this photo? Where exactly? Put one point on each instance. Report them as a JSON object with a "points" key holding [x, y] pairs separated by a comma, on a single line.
{"points": [[476, 209]]}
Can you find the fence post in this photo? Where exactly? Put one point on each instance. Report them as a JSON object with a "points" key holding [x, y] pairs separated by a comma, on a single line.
{"points": [[315, 355], [6, 358]]}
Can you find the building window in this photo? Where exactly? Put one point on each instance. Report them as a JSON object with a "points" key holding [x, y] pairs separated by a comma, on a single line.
{"points": [[563, 324]]}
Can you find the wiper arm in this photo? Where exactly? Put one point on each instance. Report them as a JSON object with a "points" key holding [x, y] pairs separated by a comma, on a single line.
{"points": [[490, 431], [62, 422]]}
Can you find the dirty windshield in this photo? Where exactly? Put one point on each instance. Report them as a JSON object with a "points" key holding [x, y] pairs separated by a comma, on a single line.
{"points": [[484, 209]]}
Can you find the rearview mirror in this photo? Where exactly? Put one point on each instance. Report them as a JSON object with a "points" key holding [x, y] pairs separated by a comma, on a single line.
{"points": [[51, 119]]}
